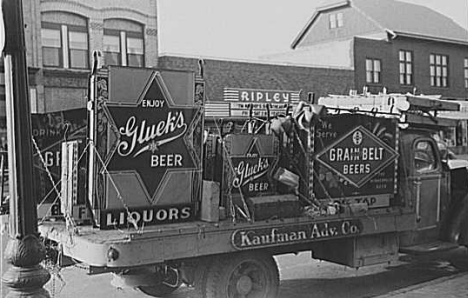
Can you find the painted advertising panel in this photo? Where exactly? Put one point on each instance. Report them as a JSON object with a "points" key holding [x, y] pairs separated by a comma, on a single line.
{"points": [[249, 166], [285, 235], [152, 138], [151, 149], [356, 157], [146, 216]]}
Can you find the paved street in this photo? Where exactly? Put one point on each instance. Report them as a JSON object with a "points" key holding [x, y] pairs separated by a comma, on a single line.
{"points": [[453, 286], [329, 280], [433, 276]]}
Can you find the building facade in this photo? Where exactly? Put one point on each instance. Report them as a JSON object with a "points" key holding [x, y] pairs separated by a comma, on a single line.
{"points": [[61, 37], [220, 75], [390, 45], [394, 45], [412, 65]]}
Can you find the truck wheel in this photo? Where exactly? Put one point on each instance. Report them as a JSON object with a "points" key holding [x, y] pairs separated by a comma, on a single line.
{"points": [[167, 284], [159, 290], [201, 274], [456, 230], [243, 275]]}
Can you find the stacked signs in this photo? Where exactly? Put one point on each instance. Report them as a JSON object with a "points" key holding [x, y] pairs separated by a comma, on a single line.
{"points": [[355, 159], [148, 135], [49, 130]]}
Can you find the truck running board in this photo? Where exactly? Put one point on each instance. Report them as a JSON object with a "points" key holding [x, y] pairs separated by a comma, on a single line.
{"points": [[436, 246]]}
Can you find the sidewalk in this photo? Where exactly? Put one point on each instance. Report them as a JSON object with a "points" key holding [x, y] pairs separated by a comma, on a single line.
{"points": [[454, 286]]}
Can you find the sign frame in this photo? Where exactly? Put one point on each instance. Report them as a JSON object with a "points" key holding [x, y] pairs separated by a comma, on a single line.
{"points": [[364, 132]]}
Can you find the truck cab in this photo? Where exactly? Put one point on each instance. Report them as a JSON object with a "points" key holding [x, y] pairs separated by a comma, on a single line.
{"points": [[433, 186]]}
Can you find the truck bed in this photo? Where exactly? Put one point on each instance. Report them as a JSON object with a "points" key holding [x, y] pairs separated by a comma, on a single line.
{"points": [[156, 244]]}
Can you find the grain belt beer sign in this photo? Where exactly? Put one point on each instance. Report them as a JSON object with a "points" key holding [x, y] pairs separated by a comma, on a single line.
{"points": [[356, 157]]}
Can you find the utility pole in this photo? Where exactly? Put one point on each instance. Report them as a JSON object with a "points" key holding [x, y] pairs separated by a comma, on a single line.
{"points": [[24, 251]]}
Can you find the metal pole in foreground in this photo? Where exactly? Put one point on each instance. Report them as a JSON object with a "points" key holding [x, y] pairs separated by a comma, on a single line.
{"points": [[24, 251]]}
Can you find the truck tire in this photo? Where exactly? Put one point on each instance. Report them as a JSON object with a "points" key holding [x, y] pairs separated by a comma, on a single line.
{"points": [[166, 285], [249, 275], [201, 274], [456, 229], [159, 290]]}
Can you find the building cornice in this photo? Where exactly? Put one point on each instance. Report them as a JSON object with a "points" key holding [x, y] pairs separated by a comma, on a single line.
{"points": [[396, 34], [97, 13], [247, 61]]}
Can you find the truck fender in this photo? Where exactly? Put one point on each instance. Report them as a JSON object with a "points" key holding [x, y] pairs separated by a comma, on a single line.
{"points": [[455, 226], [463, 236]]}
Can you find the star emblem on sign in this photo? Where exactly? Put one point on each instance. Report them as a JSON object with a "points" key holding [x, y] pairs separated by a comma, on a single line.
{"points": [[153, 136]]}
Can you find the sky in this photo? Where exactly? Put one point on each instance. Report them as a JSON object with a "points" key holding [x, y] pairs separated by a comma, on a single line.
{"points": [[248, 29]]}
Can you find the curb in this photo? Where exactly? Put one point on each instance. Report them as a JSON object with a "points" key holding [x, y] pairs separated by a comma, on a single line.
{"points": [[422, 285]]}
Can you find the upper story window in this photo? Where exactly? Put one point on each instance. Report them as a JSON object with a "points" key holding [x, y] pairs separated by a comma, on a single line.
{"points": [[64, 40], [466, 72], [52, 46], [339, 19], [406, 67], [438, 70], [123, 43], [335, 20], [373, 71]]}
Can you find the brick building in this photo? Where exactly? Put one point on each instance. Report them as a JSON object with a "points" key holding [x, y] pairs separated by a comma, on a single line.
{"points": [[61, 37], [392, 44], [220, 74], [358, 43]]}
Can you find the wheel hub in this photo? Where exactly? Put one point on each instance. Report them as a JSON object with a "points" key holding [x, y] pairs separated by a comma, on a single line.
{"points": [[244, 285]]}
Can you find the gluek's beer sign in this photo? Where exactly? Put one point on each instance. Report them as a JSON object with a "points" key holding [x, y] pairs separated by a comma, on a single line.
{"points": [[152, 136], [250, 174], [138, 136]]}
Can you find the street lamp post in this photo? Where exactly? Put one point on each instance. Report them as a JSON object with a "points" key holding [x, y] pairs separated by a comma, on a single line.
{"points": [[24, 251]]}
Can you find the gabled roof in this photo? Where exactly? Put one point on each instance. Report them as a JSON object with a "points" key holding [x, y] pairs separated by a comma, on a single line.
{"points": [[399, 19]]}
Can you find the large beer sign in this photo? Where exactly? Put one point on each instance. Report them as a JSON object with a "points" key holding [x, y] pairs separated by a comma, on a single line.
{"points": [[151, 162], [357, 157], [152, 136]]}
